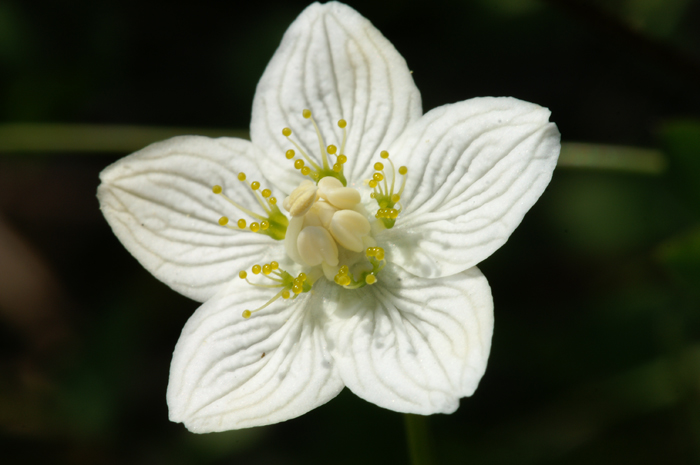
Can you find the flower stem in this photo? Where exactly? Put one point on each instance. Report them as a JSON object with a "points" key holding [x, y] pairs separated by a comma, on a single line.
{"points": [[418, 439]]}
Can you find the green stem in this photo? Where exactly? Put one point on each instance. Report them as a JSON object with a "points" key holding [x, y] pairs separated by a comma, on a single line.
{"points": [[92, 138], [95, 138], [418, 438], [611, 158]]}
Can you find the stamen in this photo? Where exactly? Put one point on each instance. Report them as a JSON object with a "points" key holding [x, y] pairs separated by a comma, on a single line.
{"points": [[307, 166], [274, 224], [219, 191], [342, 125], [248, 313], [285, 281], [321, 144], [302, 153], [375, 255], [387, 198]]}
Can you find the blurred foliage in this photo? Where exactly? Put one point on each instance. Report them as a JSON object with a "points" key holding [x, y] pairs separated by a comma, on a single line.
{"points": [[596, 351]]}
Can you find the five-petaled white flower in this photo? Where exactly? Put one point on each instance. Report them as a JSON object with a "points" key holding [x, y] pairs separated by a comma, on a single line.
{"points": [[363, 273]]}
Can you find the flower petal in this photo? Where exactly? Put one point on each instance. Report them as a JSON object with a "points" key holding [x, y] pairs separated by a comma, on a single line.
{"points": [[474, 169], [229, 372], [411, 344], [160, 204], [334, 62]]}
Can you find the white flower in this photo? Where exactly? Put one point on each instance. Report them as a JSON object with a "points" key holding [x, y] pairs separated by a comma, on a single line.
{"points": [[406, 325]]}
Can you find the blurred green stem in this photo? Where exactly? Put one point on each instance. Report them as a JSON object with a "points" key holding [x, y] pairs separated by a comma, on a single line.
{"points": [[418, 439], [93, 138], [611, 157]]}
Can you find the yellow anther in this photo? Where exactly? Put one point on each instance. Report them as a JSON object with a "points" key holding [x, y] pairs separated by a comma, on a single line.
{"points": [[299, 164], [306, 114], [394, 213], [342, 123], [395, 198], [344, 280], [266, 193], [255, 227], [286, 132], [378, 166], [290, 154], [380, 254], [297, 288], [272, 200], [302, 277], [264, 224], [343, 269], [370, 279], [384, 154], [331, 149], [373, 184], [285, 294], [274, 265], [255, 185], [337, 167], [371, 251], [223, 221], [241, 223], [305, 170], [242, 275], [267, 269], [217, 189], [403, 170], [377, 176], [342, 159], [246, 314], [256, 269], [241, 176]]}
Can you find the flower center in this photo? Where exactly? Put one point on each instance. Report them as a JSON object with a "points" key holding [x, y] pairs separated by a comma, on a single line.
{"points": [[329, 230]]}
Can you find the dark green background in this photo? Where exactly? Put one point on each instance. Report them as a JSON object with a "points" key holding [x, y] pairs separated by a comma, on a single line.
{"points": [[596, 351]]}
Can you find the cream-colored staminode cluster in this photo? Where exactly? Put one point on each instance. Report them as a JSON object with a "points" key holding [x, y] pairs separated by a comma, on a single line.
{"points": [[329, 227]]}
